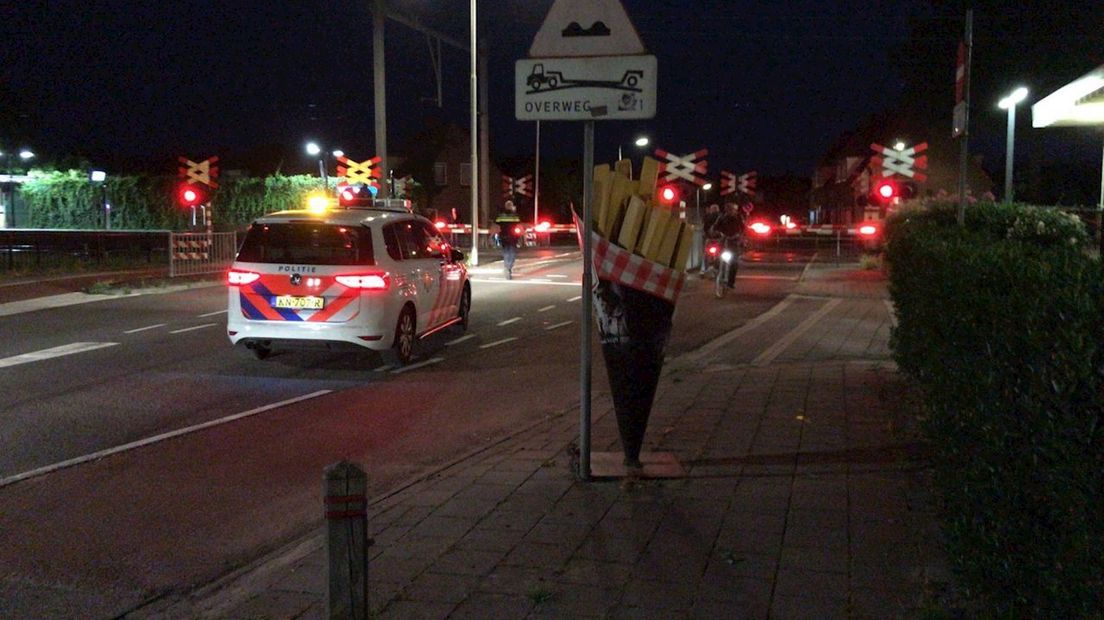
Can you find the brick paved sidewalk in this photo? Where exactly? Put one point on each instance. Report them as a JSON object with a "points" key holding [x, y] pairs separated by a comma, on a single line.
{"points": [[804, 498]]}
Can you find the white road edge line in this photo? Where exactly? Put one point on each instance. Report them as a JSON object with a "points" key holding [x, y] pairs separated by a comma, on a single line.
{"points": [[545, 309], [428, 362], [203, 316], [497, 342], [558, 325], [575, 298], [459, 340], [155, 439], [142, 329], [557, 275], [508, 321], [776, 349], [62, 351], [192, 329], [383, 368]]}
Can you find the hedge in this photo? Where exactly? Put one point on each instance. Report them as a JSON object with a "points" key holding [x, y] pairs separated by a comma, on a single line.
{"points": [[1001, 324], [68, 200]]}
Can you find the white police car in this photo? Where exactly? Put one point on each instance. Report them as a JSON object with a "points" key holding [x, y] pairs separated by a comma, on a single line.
{"points": [[373, 276]]}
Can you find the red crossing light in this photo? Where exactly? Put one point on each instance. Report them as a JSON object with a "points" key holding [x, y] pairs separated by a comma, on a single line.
{"points": [[886, 190], [189, 195], [668, 195]]}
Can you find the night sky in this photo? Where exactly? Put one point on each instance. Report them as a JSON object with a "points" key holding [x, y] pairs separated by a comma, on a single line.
{"points": [[764, 85]]}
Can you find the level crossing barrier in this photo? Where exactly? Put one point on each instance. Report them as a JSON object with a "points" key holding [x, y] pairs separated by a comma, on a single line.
{"points": [[201, 253]]}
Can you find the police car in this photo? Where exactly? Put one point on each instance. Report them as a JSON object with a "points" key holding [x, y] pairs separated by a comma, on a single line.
{"points": [[366, 274]]}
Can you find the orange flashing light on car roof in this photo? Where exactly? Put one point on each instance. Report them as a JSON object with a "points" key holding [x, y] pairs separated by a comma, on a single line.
{"points": [[366, 281], [317, 203]]}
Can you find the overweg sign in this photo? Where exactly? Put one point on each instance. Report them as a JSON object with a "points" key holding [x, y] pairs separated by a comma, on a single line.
{"points": [[610, 88], [588, 63]]}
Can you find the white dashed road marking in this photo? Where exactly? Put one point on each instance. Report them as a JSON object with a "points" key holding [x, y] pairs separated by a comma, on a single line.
{"points": [[525, 282], [497, 342], [576, 298], [558, 325], [142, 329], [428, 362], [545, 309], [45, 354], [192, 329], [459, 340], [508, 321]]}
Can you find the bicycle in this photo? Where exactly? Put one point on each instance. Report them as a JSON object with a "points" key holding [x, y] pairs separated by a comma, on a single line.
{"points": [[727, 260]]}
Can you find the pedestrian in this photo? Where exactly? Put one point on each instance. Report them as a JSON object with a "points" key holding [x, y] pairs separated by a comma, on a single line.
{"points": [[509, 232]]}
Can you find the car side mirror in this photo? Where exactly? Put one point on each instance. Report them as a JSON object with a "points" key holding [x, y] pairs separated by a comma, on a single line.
{"points": [[457, 256]]}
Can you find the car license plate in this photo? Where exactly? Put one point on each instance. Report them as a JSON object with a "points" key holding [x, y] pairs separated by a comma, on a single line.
{"points": [[299, 303]]}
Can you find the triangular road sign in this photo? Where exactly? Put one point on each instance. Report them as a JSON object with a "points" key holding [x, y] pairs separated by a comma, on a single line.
{"points": [[586, 28]]}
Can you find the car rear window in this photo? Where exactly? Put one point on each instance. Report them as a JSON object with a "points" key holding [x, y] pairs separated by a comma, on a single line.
{"points": [[307, 243]]}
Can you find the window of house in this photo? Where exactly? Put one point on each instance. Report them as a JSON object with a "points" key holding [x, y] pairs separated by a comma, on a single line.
{"points": [[440, 173], [465, 175]]}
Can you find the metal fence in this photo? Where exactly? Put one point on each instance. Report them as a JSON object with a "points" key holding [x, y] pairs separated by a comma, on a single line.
{"points": [[40, 250], [201, 253]]}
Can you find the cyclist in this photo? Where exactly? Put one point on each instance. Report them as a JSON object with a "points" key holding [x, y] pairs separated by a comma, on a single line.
{"points": [[730, 227]]}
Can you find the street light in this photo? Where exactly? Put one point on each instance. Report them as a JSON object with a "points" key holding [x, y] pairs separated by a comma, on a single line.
{"points": [[316, 151], [697, 196], [7, 215], [1009, 103], [99, 177], [640, 142]]}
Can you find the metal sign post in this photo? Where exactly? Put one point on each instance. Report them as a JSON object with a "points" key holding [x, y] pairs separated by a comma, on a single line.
{"points": [[588, 301], [586, 63]]}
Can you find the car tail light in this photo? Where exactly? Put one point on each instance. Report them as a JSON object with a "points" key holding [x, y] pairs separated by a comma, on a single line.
{"points": [[713, 249], [366, 281], [235, 277], [760, 228], [517, 230], [868, 230]]}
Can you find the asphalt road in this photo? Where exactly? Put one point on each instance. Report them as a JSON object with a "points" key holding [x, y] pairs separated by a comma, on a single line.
{"points": [[150, 504]]}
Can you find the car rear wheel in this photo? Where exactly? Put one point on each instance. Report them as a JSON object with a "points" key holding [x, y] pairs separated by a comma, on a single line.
{"points": [[465, 308], [402, 350], [261, 351]]}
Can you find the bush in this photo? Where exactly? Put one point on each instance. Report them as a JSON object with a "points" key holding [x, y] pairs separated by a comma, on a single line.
{"points": [[68, 200], [1000, 323]]}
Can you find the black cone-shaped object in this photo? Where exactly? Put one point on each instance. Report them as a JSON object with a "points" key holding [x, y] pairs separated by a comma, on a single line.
{"points": [[634, 327]]}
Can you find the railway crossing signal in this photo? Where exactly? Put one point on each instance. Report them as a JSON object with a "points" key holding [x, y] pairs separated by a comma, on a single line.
{"points": [[520, 186], [691, 168], [354, 172], [199, 173], [744, 184], [906, 162]]}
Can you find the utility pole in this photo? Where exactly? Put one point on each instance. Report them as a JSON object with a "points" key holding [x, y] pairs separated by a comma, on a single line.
{"points": [[379, 68], [964, 153]]}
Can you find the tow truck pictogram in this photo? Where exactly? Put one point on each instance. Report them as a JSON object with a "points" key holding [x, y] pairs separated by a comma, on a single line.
{"points": [[541, 81]]}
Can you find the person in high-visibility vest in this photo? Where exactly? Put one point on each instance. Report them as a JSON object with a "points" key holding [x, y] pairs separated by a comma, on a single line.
{"points": [[509, 233]]}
